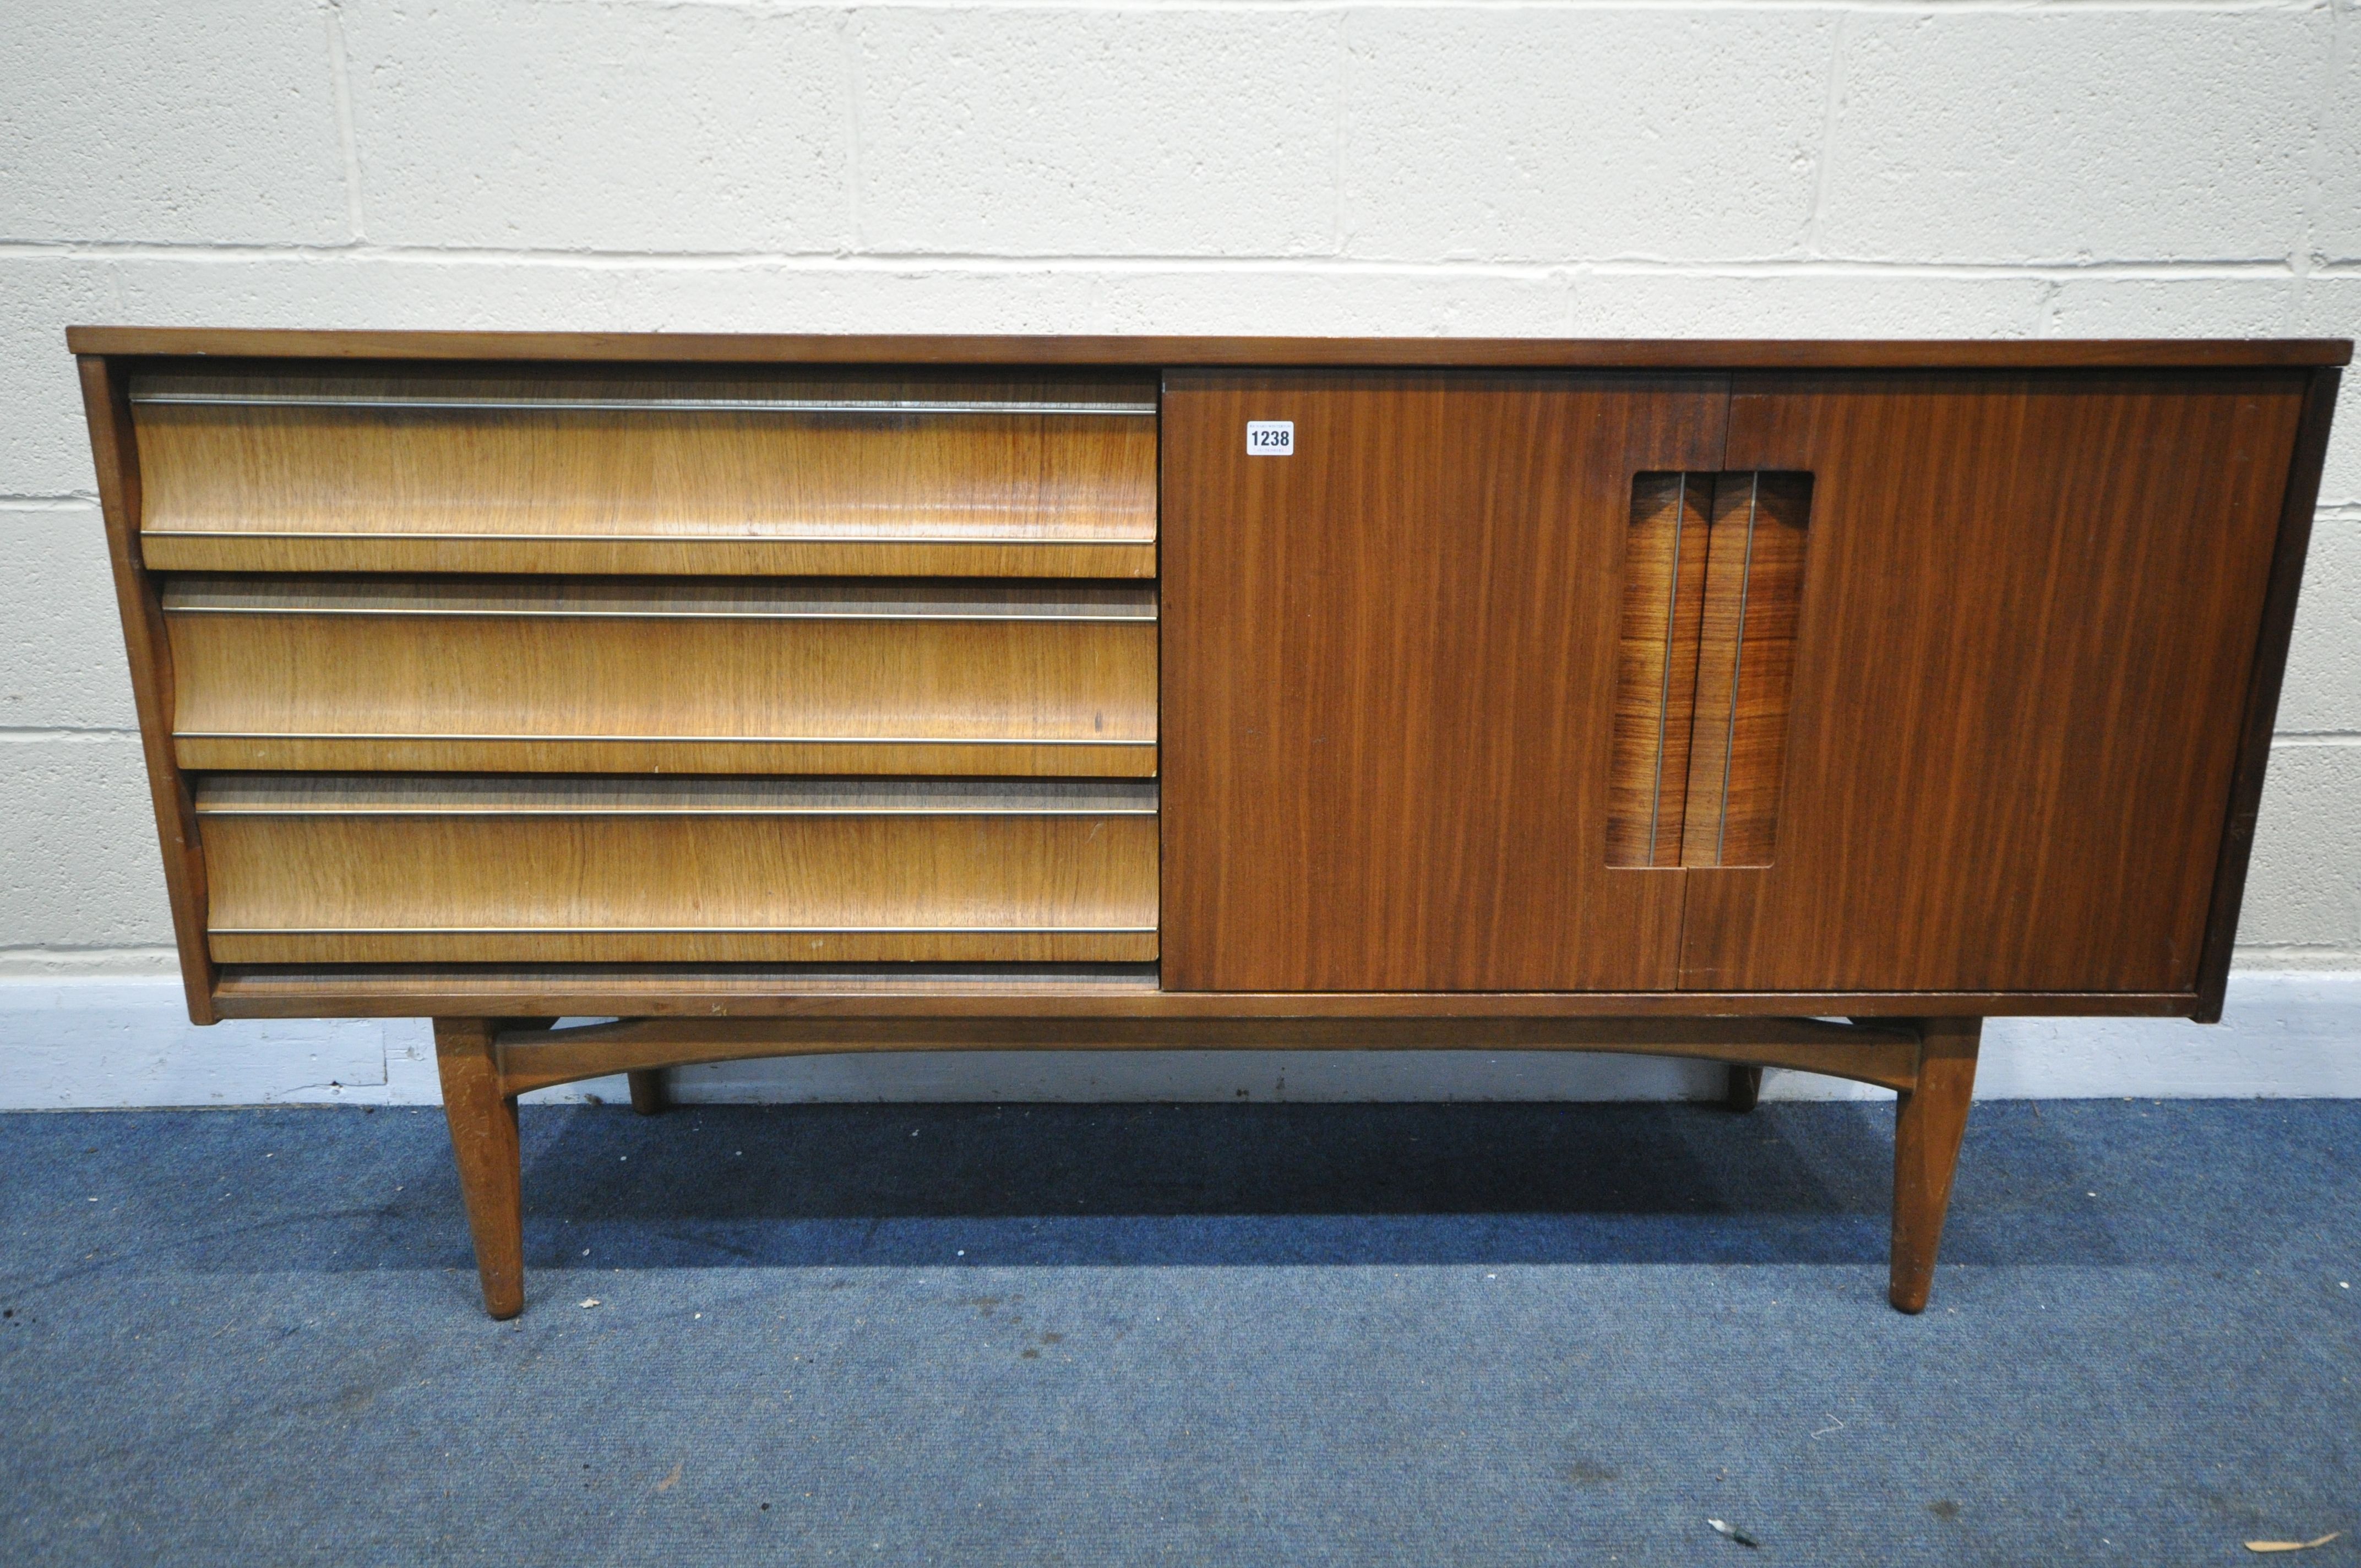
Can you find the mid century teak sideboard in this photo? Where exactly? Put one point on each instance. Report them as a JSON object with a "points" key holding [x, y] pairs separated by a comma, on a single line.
{"points": [[1788, 704]]}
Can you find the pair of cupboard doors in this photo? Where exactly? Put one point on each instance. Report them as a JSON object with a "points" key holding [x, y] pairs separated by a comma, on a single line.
{"points": [[1952, 669]]}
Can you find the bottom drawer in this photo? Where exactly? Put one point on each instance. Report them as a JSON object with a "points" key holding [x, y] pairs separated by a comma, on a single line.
{"points": [[344, 869]]}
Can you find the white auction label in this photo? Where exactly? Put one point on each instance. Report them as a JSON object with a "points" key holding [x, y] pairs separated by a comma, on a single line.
{"points": [[1270, 438]]}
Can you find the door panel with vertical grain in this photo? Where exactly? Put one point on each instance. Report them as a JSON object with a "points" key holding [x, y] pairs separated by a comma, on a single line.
{"points": [[1389, 678], [2029, 608]]}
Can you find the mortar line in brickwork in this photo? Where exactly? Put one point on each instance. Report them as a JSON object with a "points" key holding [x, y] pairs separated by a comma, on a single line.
{"points": [[1276, 264], [851, 70], [1908, 7], [1815, 222], [2053, 290], [64, 949], [1339, 123], [28, 735], [340, 79]]}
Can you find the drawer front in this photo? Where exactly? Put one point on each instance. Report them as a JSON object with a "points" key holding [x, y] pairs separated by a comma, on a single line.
{"points": [[337, 869], [826, 677], [853, 474]]}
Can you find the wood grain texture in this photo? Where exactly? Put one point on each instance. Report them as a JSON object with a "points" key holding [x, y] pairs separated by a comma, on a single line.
{"points": [[662, 755], [502, 988], [1930, 1117], [1391, 680], [1885, 1056], [482, 1115], [765, 991], [2026, 627], [1745, 667], [1665, 559], [2266, 674], [671, 475], [243, 550], [115, 454], [1538, 352], [1713, 567], [860, 396], [345, 871], [908, 678]]}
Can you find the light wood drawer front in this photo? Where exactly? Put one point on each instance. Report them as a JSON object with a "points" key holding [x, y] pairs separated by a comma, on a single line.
{"points": [[822, 678], [335, 869], [782, 475]]}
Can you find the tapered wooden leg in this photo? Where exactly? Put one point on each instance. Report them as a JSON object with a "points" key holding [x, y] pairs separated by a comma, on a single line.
{"points": [[1745, 1088], [1929, 1122], [647, 1089], [484, 1138]]}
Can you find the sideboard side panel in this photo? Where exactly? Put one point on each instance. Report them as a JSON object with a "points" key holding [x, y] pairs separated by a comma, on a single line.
{"points": [[1389, 678], [2269, 671], [115, 453], [2027, 625]]}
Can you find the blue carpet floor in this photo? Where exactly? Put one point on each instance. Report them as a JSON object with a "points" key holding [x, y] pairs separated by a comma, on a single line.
{"points": [[1216, 1334]]}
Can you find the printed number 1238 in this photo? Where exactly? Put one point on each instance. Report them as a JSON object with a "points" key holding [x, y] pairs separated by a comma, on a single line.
{"points": [[1270, 438]]}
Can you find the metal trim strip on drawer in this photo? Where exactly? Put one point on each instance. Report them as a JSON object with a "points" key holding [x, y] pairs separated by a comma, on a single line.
{"points": [[453, 737], [510, 797], [896, 977], [851, 406], [1061, 540], [681, 930], [598, 599]]}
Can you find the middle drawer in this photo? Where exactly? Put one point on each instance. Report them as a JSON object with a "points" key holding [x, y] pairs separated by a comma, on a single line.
{"points": [[807, 677]]}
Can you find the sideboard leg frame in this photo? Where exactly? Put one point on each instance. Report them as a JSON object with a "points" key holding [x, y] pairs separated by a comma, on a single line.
{"points": [[484, 1139], [648, 1096], [1743, 1088], [1929, 1122]]}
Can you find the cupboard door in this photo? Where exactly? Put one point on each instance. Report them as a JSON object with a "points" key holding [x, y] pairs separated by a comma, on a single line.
{"points": [[1389, 676], [2028, 609]]}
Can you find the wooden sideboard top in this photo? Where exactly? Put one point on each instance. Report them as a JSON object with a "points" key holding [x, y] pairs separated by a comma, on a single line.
{"points": [[1538, 352]]}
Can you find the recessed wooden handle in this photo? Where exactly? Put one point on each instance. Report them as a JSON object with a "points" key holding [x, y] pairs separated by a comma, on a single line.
{"points": [[1746, 655], [1713, 576], [1664, 578]]}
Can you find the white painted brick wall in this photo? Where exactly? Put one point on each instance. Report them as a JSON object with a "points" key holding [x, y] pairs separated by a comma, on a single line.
{"points": [[1877, 167], [1087, 132], [1555, 136], [82, 871], [2074, 134], [650, 129], [146, 121]]}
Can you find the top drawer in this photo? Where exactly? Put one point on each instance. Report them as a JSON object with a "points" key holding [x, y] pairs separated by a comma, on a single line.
{"points": [[856, 474]]}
